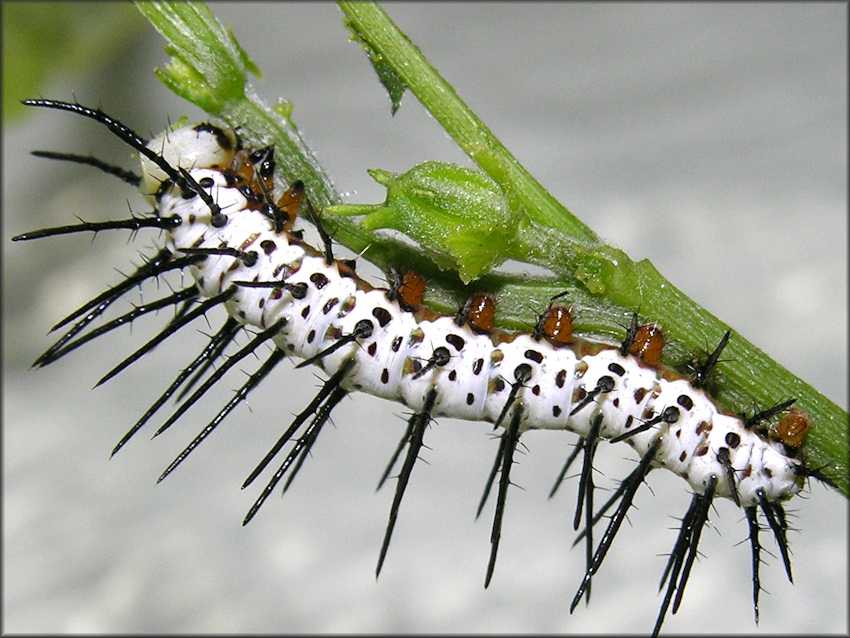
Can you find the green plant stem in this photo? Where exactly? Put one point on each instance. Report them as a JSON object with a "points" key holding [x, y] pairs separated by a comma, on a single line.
{"points": [[377, 31]]}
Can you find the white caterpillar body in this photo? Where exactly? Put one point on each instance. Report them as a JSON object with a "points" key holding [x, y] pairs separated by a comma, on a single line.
{"points": [[476, 380], [215, 202]]}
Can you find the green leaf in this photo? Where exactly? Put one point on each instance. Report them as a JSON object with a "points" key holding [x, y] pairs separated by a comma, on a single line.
{"points": [[208, 67], [392, 82]]}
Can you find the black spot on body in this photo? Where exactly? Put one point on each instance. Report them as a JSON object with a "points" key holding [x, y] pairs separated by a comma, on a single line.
{"points": [[533, 355], [685, 401], [164, 187], [265, 158], [561, 378], [617, 369], [319, 280], [733, 440], [382, 315], [363, 329], [456, 341], [605, 384], [670, 414]]}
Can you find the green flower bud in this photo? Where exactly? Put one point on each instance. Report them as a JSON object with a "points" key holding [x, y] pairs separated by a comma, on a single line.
{"points": [[459, 215]]}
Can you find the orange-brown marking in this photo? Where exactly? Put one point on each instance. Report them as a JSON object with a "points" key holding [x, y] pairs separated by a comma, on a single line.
{"points": [[479, 312], [411, 289], [792, 428], [556, 326], [648, 344]]}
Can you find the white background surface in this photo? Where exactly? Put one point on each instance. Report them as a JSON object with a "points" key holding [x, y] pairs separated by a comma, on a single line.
{"points": [[710, 138]]}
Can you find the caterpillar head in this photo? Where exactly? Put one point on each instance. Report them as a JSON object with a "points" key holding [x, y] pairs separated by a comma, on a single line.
{"points": [[201, 145]]}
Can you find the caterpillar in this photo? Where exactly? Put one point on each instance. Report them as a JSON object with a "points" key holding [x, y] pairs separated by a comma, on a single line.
{"points": [[678, 154], [231, 227]]}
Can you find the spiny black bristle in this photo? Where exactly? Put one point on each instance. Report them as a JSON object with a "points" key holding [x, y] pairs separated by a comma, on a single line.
{"points": [[511, 439], [578, 446], [684, 552], [127, 318], [134, 224], [321, 406], [628, 488], [702, 370], [420, 421], [327, 388], [199, 365], [247, 349], [362, 330], [128, 176], [253, 381], [171, 329]]}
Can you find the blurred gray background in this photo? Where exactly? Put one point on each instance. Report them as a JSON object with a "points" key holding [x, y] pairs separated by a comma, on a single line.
{"points": [[710, 138]]}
